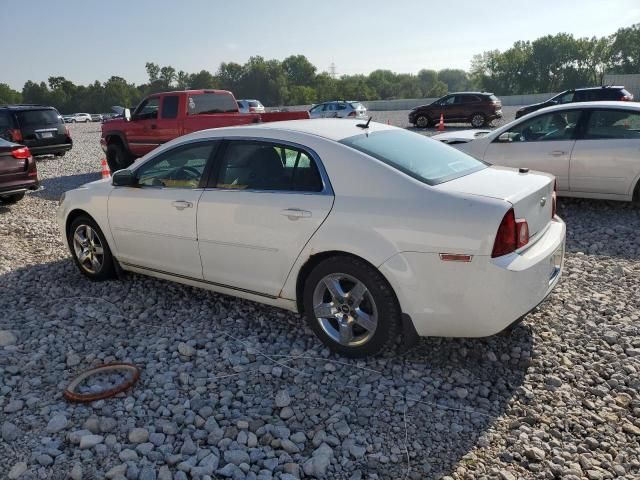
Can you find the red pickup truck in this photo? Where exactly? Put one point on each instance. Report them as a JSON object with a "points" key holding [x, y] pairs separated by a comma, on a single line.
{"points": [[164, 116]]}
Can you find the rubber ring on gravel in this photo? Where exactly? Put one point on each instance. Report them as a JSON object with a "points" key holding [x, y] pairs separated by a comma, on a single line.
{"points": [[71, 395]]}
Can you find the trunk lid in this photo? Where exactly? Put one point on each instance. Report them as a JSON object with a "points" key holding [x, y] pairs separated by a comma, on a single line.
{"points": [[529, 193]]}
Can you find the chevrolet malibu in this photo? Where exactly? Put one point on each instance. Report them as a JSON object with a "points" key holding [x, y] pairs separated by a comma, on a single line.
{"points": [[368, 230]]}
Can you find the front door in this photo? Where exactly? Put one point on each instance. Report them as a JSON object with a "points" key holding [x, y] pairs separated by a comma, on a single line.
{"points": [[542, 143], [266, 203], [154, 223], [606, 159], [141, 135]]}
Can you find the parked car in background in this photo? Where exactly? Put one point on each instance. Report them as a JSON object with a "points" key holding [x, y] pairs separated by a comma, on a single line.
{"points": [[367, 229], [164, 116], [80, 118], [18, 171], [250, 106], [592, 148], [67, 118], [96, 117], [476, 108], [338, 109], [39, 127], [590, 94]]}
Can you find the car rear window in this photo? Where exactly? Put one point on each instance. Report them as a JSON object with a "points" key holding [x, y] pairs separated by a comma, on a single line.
{"points": [[427, 160], [254, 103], [211, 103], [31, 118]]}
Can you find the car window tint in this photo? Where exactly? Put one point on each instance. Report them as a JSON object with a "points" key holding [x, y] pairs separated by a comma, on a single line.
{"points": [[341, 106], [329, 107], [181, 167], [449, 100], [547, 127], [613, 124], [148, 109], [170, 106], [566, 98], [265, 166], [34, 118], [427, 160], [5, 120], [211, 103]]}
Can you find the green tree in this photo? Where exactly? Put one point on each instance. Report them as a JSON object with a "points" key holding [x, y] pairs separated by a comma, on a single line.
{"points": [[201, 80], [9, 95], [625, 50], [457, 80], [153, 71], [299, 70]]}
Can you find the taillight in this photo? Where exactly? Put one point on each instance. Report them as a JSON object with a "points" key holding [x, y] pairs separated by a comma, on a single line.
{"points": [[512, 234], [352, 114], [16, 135], [22, 152], [554, 199], [66, 131]]}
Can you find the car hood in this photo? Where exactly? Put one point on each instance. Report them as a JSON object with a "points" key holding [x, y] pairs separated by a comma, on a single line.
{"points": [[461, 135]]}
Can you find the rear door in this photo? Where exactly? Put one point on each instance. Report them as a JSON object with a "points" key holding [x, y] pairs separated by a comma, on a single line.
{"points": [[254, 220], [606, 158], [542, 143], [167, 126], [141, 136]]}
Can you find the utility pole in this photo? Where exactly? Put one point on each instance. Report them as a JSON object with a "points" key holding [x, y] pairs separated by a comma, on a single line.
{"points": [[332, 70]]}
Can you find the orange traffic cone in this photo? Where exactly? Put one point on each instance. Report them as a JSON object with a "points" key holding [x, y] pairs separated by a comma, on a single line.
{"points": [[105, 169], [441, 124]]}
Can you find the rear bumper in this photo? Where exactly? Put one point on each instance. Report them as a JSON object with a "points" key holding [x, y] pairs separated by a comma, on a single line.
{"points": [[50, 149], [479, 298], [18, 186]]}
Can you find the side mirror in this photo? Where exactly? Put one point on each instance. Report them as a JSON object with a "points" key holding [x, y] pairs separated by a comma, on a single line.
{"points": [[124, 178], [505, 138], [126, 114]]}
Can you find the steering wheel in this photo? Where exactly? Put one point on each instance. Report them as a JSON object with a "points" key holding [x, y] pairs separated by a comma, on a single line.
{"points": [[192, 173]]}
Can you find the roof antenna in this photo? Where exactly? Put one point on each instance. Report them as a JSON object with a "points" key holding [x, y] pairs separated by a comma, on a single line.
{"points": [[364, 125]]}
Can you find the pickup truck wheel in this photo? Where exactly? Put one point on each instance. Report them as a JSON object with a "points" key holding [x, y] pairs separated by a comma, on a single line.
{"points": [[117, 157]]}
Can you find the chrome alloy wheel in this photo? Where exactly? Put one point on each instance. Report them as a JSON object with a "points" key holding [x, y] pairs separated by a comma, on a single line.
{"points": [[88, 249], [477, 120], [345, 309]]}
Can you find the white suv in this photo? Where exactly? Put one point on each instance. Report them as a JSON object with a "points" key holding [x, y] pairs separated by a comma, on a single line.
{"points": [[250, 106], [80, 117], [338, 109]]}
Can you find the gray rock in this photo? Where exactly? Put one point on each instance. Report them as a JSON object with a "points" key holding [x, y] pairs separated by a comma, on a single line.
{"points": [[17, 470], [128, 455], [147, 473], [57, 423], [164, 473], [188, 447], [535, 454], [44, 460], [9, 432], [186, 350], [236, 457], [289, 447], [118, 470], [283, 399], [14, 406], [76, 472], [90, 441], [138, 435], [7, 338]]}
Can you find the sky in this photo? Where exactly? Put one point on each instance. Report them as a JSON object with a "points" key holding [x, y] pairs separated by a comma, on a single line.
{"points": [[88, 40]]}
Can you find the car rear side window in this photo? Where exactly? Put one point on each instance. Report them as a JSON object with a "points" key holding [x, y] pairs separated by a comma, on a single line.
{"points": [[211, 103], [613, 124], [427, 160], [35, 118], [170, 106], [250, 165]]}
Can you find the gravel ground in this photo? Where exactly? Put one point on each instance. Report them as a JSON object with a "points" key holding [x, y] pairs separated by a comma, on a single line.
{"points": [[234, 389]]}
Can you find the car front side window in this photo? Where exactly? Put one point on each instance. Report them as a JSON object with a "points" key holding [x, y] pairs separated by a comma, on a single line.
{"points": [[547, 127], [182, 167], [148, 109]]}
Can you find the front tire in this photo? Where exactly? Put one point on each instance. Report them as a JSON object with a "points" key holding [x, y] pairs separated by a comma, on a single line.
{"points": [[351, 307], [11, 199], [422, 121], [478, 120], [90, 250], [117, 157]]}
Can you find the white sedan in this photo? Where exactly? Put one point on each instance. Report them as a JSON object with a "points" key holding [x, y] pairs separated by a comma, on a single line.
{"points": [[368, 229], [592, 148]]}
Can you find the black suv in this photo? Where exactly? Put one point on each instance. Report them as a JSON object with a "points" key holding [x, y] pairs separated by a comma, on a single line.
{"points": [[476, 108], [590, 94], [39, 127]]}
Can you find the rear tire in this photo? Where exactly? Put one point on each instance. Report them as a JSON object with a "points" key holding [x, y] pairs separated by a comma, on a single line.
{"points": [[11, 199], [478, 120], [352, 294], [90, 250], [117, 157]]}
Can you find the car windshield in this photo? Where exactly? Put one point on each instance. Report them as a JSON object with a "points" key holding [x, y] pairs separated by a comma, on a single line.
{"points": [[427, 160], [38, 117]]}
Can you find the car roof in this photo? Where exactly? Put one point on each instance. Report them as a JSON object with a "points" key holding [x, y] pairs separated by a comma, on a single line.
{"points": [[595, 88], [26, 106], [600, 104], [329, 128], [469, 93]]}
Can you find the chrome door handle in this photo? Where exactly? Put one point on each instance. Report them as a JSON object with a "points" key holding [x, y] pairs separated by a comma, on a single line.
{"points": [[295, 213], [558, 153], [181, 204]]}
